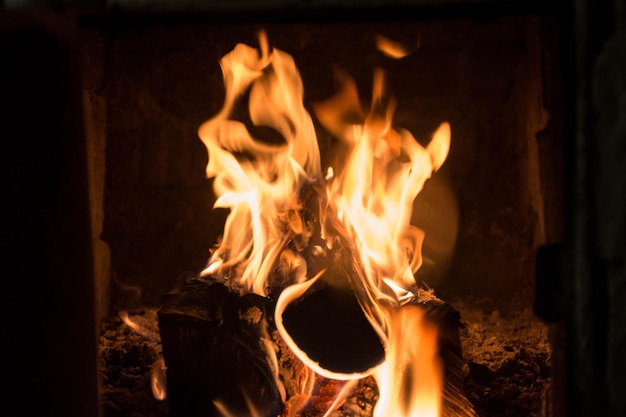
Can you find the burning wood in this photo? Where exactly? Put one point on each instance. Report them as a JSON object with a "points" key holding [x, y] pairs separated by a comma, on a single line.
{"points": [[327, 323], [216, 339], [506, 367], [219, 344], [317, 269]]}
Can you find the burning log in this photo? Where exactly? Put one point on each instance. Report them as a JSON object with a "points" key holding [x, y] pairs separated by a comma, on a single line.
{"points": [[448, 320], [224, 357], [327, 322], [213, 340], [307, 287]]}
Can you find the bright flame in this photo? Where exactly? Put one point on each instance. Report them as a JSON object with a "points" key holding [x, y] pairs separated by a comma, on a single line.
{"points": [[374, 197], [140, 329], [410, 380], [260, 170], [259, 181]]}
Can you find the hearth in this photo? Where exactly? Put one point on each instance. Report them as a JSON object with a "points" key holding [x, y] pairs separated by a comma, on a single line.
{"points": [[484, 77]]}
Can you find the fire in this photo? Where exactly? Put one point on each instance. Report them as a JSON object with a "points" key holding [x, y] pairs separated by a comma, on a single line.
{"points": [[158, 378], [374, 197], [257, 180], [392, 48], [264, 169], [410, 380]]}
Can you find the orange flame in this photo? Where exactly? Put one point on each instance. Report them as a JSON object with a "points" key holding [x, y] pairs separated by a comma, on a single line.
{"points": [[259, 181], [158, 379], [393, 49], [410, 380], [369, 203], [384, 173]]}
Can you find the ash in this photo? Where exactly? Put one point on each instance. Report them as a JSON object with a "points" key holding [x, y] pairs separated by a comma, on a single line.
{"points": [[507, 362], [507, 367], [126, 361]]}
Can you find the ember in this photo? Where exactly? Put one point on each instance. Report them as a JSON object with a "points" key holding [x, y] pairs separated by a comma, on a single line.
{"points": [[506, 369]]}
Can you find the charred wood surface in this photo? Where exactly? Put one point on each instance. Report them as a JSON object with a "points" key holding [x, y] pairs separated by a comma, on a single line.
{"points": [[507, 368], [213, 343], [448, 320], [328, 323]]}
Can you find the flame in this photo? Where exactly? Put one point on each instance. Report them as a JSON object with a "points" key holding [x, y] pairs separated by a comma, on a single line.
{"points": [[259, 181], [138, 328], [374, 196], [410, 380], [260, 168], [391, 48], [158, 379]]}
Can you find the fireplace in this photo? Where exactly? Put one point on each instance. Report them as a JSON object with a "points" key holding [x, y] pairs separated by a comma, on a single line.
{"points": [[513, 201]]}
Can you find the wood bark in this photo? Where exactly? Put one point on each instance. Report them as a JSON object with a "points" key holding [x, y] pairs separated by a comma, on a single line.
{"points": [[213, 343], [212, 339]]}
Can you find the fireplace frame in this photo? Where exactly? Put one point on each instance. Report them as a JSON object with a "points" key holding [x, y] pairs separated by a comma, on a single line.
{"points": [[580, 275]]}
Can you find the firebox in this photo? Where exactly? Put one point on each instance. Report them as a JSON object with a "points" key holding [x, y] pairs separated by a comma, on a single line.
{"points": [[524, 273]]}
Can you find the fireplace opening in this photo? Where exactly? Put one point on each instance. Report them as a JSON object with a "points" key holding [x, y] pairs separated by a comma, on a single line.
{"points": [[149, 83]]}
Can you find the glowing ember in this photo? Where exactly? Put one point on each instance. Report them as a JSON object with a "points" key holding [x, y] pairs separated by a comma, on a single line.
{"points": [[358, 248]]}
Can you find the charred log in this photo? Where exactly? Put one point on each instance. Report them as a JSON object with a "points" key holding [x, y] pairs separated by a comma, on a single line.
{"points": [[212, 339], [328, 324], [215, 341], [448, 320]]}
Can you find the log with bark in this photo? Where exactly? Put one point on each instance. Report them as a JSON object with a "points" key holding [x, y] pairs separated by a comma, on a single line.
{"points": [[217, 341], [212, 337]]}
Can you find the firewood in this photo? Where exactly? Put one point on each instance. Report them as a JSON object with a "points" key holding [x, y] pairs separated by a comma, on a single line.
{"points": [[212, 338], [215, 339], [328, 324], [448, 321]]}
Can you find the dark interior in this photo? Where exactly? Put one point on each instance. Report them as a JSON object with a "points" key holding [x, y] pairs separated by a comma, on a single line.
{"points": [[484, 76]]}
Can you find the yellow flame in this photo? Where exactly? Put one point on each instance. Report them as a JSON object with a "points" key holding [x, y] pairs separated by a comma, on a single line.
{"points": [[158, 379], [410, 380], [369, 202], [138, 328], [374, 196], [259, 181], [226, 412]]}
